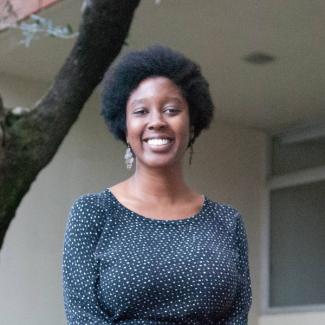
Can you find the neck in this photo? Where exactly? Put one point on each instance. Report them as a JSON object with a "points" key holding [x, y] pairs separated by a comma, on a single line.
{"points": [[161, 185]]}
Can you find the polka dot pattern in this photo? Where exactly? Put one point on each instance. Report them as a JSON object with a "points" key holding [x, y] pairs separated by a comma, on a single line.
{"points": [[120, 267]]}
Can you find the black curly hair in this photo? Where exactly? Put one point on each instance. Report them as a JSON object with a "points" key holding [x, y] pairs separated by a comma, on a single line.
{"points": [[125, 75]]}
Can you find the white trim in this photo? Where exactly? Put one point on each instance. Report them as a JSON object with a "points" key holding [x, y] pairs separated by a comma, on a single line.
{"points": [[299, 318], [265, 260], [265, 237], [295, 309], [303, 134], [305, 176]]}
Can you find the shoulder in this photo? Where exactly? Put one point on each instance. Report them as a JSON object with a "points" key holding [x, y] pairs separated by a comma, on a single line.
{"points": [[230, 221], [227, 215], [89, 210], [86, 220], [87, 200]]}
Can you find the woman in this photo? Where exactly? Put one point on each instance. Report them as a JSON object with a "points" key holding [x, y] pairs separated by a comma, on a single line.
{"points": [[150, 250]]}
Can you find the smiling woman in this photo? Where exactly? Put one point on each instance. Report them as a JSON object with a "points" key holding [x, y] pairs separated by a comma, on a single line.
{"points": [[150, 249], [157, 123]]}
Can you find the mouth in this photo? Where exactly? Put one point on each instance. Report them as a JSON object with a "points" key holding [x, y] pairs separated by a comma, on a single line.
{"points": [[158, 141]]}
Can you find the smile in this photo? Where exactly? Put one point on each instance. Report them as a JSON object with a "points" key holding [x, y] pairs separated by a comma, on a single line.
{"points": [[158, 142]]}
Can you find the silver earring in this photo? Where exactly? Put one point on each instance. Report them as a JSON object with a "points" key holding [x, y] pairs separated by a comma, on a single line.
{"points": [[191, 146], [191, 154], [128, 157]]}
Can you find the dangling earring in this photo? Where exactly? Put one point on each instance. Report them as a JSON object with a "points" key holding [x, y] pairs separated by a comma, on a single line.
{"points": [[191, 145], [191, 154], [128, 157]]}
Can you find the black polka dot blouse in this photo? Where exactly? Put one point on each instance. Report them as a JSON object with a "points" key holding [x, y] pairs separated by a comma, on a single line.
{"points": [[120, 267]]}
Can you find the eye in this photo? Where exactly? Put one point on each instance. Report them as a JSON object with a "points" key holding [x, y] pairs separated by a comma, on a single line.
{"points": [[172, 110], [139, 111]]}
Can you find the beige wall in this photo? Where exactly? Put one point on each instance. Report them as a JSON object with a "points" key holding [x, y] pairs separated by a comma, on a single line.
{"points": [[228, 166]]}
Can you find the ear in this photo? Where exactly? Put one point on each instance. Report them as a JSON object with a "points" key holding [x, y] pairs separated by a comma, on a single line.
{"points": [[191, 135], [191, 131]]}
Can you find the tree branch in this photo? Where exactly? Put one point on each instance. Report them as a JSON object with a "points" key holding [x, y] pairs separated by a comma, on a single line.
{"points": [[34, 138]]}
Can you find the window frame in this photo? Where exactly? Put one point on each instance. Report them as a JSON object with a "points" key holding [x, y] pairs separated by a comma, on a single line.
{"points": [[305, 176]]}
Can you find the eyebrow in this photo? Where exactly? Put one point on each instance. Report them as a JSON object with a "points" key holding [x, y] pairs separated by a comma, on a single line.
{"points": [[143, 100], [176, 98], [137, 101]]}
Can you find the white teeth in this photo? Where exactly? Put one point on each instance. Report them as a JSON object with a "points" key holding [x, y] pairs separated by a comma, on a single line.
{"points": [[158, 142]]}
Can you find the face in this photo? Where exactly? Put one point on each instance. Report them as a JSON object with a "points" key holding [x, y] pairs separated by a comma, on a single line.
{"points": [[157, 122]]}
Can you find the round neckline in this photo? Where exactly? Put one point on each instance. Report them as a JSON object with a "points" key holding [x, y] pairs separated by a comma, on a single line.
{"points": [[160, 221]]}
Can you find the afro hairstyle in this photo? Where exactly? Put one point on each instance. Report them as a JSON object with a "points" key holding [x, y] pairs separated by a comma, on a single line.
{"points": [[127, 73]]}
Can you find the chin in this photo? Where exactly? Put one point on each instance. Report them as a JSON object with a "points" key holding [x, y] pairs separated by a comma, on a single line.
{"points": [[163, 163]]}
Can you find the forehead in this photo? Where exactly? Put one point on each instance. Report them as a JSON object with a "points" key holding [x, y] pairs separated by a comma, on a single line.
{"points": [[156, 87]]}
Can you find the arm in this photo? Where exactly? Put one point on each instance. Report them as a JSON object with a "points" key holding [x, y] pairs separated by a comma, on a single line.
{"points": [[80, 269], [238, 314]]}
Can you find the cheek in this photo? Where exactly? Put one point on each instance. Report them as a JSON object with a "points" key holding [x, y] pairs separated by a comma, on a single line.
{"points": [[133, 130], [185, 129]]}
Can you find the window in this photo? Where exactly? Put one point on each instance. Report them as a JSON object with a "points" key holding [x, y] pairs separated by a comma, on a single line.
{"points": [[296, 265]]}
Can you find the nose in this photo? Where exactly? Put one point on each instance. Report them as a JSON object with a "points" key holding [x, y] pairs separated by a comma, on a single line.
{"points": [[156, 121]]}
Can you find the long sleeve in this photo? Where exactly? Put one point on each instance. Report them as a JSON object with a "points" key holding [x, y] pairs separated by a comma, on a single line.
{"points": [[80, 268], [243, 299]]}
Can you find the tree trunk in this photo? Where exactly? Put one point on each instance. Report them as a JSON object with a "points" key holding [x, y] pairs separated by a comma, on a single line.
{"points": [[30, 140]]}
